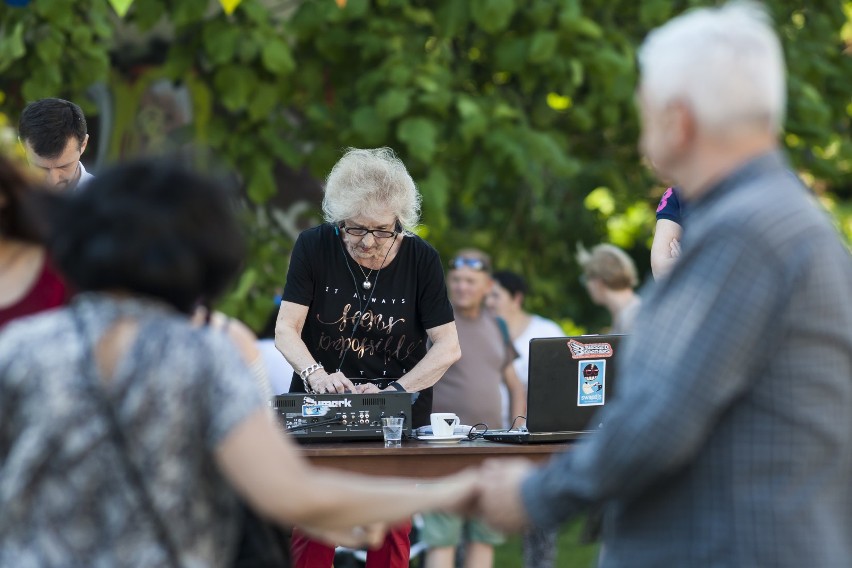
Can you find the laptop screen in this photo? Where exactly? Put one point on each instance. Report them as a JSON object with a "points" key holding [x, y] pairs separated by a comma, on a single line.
{"points": [[570, 379]]}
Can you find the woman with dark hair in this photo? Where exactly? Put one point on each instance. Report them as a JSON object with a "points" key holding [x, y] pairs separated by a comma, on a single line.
{"points": [[128, 441], [29, 283]]}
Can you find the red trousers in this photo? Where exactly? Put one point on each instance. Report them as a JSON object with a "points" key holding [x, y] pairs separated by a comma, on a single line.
{"points": [[393, 553]]}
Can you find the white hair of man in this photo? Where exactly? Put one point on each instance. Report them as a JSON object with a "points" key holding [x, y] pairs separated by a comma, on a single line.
{"points": [[724, 63], [365, 181]]}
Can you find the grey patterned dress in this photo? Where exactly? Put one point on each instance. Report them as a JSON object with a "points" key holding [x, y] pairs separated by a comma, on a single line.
{"points": [[65, 497]]}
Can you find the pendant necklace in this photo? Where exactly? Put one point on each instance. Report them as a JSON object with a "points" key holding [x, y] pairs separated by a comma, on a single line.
{"points": [[366, 285]]}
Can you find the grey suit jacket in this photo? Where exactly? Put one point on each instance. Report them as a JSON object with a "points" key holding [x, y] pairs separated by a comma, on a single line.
{"points": [[729, 442]]}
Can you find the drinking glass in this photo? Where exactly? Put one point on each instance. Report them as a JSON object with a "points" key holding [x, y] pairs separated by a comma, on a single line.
{"points": [[392, 431]]}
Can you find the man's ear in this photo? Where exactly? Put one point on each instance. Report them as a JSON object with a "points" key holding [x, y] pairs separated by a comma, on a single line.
{"points": [[83, 145], [681, 125]]}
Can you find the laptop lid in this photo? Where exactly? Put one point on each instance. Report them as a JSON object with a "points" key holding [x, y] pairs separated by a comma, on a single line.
{"points": [[570, 379]]}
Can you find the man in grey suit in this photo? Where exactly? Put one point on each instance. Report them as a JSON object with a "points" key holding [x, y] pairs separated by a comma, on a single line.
{"points": [[729, 442]]}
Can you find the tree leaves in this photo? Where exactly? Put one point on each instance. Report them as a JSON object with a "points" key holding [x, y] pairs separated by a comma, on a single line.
{"points": [[276, 57], [492, 16], [420, 137]]}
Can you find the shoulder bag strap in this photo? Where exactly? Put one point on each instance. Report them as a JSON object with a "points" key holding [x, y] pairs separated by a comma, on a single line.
{"points": [[87, 368]]}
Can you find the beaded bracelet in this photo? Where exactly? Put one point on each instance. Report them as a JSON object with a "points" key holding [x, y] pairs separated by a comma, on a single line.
{"points": [[307, 372]]}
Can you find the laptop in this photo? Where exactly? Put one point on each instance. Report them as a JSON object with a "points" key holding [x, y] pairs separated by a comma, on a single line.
{"points": [[570, 379]]}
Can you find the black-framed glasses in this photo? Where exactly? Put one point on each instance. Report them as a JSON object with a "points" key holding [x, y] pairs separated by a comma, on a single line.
{"points": [[377, 233], [461, 261]]}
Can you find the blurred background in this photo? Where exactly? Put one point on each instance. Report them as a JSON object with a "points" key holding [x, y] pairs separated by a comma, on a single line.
{"points": [[515, 117]]}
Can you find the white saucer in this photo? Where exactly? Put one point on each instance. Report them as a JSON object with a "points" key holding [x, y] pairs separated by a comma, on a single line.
{"points": [[442, 439]]}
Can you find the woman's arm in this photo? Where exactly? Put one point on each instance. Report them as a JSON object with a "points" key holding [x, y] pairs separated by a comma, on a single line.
{"points": [[288, 340], [444, 352], [662, 259], [517, 395], [269, 472]]}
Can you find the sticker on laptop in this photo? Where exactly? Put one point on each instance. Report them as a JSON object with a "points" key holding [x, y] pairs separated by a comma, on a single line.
{"points": [[589, 350], [591, 382]]}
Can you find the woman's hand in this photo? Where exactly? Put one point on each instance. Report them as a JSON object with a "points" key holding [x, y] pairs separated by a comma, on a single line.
{"points": [[321, 382], [457, 493], [368, 388]]}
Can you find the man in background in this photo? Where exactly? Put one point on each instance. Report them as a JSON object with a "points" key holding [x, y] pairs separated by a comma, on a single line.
{"points": [[471, 389], [728, 442], [54, 135]]}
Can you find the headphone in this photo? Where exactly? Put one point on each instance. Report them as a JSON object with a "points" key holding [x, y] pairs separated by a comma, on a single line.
{"points": [[361, 306]]}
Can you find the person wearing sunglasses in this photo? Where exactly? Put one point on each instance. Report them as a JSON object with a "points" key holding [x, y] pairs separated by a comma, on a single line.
{"points": [[471, 388], [364, 296]]}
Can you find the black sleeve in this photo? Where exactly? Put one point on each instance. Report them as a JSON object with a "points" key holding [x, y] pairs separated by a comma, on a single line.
{"points": [[299, 288], [435, 308], [669, 207]]}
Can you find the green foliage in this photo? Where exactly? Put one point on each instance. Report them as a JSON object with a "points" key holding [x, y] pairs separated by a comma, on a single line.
{"points": [[515, 117]]}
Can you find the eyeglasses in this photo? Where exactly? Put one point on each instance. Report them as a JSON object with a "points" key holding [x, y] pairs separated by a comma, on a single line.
{"points": [[377, 233], [474, 263]]}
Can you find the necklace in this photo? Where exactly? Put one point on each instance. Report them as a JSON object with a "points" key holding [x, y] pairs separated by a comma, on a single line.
{"points": [[366, 285]]}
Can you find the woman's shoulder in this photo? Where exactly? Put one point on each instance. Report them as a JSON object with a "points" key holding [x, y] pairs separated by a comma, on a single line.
{"points": [[319, 233], [421, 248]]}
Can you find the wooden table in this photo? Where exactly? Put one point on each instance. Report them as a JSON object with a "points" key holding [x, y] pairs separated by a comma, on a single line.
{"points": [[420, 459]]}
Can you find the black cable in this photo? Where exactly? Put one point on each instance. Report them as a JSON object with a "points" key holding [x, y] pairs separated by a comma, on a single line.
{"points": [[335, 420], [512, 427], [361, 307]]}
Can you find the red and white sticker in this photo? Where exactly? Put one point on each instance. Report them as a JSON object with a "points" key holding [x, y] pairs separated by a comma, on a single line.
{"points": [[589, 350]]}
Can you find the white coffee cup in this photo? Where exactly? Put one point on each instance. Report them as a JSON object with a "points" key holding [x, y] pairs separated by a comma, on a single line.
{"points": [[444, 424]]}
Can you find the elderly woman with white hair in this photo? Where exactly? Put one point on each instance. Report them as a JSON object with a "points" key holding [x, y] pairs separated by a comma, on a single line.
{"points": [[364, 296]]}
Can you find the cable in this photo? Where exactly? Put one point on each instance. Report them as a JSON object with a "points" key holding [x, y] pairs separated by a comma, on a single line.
{"points": [[335, 420], [361, 306]]}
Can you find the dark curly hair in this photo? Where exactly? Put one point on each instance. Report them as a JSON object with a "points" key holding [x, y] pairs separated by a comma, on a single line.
{"points": [[149, 227]]}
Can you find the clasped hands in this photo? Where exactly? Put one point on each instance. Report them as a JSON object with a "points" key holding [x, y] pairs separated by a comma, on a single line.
{"points": [[322, 382], [491, 492]]}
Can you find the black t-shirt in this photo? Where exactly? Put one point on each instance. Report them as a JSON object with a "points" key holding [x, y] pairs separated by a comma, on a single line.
{"points": [[408, 297]]}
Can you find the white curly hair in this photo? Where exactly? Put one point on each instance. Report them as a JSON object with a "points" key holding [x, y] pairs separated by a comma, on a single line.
{"points": [[366, 180]]}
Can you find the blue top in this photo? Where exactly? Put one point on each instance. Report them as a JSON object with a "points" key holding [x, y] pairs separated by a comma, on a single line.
{"points": [[669, 207]]}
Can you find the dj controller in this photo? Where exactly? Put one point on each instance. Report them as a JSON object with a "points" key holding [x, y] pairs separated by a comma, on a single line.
{"points": [[337, 417]]}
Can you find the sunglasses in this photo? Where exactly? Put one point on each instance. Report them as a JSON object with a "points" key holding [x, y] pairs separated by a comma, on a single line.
{"points": [[461, 261]]}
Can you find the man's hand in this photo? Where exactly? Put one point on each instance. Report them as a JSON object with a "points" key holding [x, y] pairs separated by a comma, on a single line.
{"points": [[500, 502]]}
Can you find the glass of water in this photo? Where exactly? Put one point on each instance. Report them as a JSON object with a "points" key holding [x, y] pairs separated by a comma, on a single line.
{"points": [[392, 431]]}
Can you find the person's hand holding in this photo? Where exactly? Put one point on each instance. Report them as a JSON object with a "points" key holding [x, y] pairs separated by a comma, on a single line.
{"points": [[370, 536], [322, 382], [500, 503], [457, 493], [675, 248]]}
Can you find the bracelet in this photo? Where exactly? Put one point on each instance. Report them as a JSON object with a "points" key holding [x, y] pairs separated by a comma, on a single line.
{"points": [[307, 372], [397, 387]]}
